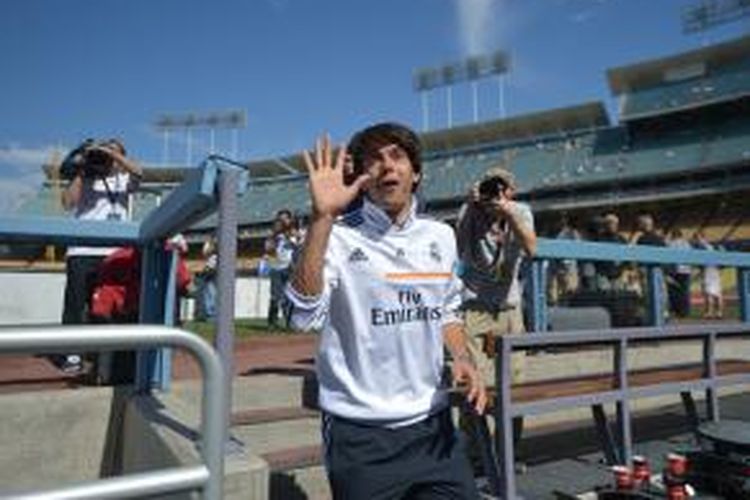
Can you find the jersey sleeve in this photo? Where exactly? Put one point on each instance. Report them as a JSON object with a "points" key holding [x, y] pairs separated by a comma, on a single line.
{"points": [[310, 313], [454, 292]]}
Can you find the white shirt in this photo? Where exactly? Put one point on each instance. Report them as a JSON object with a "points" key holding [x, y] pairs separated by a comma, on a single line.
{"points": [[102, 199], [388, 293]]}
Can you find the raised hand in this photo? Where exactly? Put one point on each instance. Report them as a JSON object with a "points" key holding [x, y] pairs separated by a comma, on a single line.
{"points": [[330, 194]]}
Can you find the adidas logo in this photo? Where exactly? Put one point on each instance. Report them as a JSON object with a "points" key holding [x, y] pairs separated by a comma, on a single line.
{"points": [[358, 255], [435, 252]]}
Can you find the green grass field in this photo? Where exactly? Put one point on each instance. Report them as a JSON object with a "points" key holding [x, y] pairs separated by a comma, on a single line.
{"points": [[243, 328]]}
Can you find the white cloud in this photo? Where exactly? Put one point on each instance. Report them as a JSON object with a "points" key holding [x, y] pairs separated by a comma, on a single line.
{"points": [[21, 174], [582, 17], [585, 10], [475, 17], [16, 160], [278, 5]]}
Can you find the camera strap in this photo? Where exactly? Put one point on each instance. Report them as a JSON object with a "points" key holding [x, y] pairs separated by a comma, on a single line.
{"points": [[112, 197]]}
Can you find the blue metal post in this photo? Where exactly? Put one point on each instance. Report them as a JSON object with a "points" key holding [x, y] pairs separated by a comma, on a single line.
{"points": [[154, 267], [229, 178], [163, 368], [504, 419], [622, 406], [709, 364], [743, 290], [539, 294], [655, 295]]}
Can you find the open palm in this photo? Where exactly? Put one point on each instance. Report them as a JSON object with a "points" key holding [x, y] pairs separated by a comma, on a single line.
{"points": [[330, 194]]}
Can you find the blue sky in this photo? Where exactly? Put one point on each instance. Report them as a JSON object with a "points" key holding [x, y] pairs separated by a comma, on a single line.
{"points": [[97, 68]]}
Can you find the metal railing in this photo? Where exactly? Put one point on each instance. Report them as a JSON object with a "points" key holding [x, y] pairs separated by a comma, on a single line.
{"points": [[207, 476], [650, 257], [620, 393]]}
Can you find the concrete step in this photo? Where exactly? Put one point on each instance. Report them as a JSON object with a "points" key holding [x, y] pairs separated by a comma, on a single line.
{"points": [[279, 435], [288, 439], [268, 415], [309, 483], [272, 390], [290, 459]]}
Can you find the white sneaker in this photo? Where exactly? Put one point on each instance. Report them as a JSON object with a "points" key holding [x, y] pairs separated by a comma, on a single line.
{"points": [[72, 364]]}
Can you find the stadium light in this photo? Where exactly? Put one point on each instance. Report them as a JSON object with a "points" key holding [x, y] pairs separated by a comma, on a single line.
{"points": [[471, 69], [232, 120], [708, 14]]}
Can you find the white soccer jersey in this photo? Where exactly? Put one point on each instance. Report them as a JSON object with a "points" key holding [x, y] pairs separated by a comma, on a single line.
{"points": [[388, 292]]}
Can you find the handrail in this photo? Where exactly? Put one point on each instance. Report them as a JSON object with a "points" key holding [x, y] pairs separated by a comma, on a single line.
{"points": [[208, 476], [549, 248], [649, 256], [631, 335], [506, 409]]}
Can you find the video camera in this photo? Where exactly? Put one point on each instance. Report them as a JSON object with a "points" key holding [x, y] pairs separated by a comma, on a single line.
{"points": [[88, 158], [491, 188]]}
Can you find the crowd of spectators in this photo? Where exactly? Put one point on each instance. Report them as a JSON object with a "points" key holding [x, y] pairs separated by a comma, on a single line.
{"points": [[569, 277]]}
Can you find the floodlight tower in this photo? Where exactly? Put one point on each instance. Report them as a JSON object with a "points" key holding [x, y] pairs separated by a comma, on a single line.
{"points": [[231, 120], [472, 69], [707, 14]]}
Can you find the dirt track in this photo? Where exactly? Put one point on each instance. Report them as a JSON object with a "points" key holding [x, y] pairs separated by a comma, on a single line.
{"points": [[255, 355]]}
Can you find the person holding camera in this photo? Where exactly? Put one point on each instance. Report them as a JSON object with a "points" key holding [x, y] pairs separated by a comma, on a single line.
{"points": [[101, 179], [281, 248], [494, 233]]}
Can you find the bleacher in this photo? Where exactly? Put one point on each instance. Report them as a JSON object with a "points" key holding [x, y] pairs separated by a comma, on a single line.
{"points": [[709, 75], [45, 203]]}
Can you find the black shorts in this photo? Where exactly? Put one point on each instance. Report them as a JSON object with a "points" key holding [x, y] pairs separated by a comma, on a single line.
{"points": [[426, 460]]}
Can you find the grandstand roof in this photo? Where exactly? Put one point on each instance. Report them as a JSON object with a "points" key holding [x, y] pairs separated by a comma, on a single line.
{"points": [[652, 73], [581, 117], [151, 174], [273, 167]]}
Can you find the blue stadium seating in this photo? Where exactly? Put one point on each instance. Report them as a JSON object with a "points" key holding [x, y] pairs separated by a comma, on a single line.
{"points": [[731, 82]]}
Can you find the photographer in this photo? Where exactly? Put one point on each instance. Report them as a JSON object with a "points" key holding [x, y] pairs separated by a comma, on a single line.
{"points": [[101, 178], [493, 232]]}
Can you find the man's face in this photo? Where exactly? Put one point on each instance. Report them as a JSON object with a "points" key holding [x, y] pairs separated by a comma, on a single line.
{"points": [[393, 178], [284, 220]]}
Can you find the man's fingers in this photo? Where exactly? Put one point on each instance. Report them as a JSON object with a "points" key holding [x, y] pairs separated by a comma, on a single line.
{"points": [[326, 150], [341, 160], [308, 161], [318, 153], [361, 182]]}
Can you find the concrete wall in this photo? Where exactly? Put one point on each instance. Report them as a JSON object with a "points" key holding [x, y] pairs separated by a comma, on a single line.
{"points": [[52, 439], [36, 298], [31, 298], [161, 432], [49, 439]]}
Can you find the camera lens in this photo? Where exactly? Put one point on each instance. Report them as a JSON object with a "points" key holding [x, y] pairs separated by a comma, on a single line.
{"points": [[96, 162], [490, 188]]}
